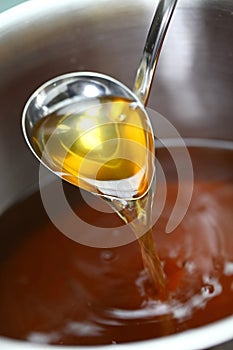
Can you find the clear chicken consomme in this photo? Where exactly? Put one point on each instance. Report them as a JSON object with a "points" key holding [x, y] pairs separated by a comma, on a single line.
{"points": [[54, 290], [104, 145]]}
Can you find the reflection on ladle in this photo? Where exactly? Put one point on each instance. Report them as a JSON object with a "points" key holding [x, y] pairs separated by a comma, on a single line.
{"points": [[94, 132]]}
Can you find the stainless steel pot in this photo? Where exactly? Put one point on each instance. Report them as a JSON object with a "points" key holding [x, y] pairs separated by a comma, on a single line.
{"points": [[193, 87]]}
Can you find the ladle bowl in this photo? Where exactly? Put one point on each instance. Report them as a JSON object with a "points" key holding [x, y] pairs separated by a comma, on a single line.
{"points": [[80, 93], [80, 90]]}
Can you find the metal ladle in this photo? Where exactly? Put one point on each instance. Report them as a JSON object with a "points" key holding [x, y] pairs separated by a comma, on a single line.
{"points": [[81, 89]]}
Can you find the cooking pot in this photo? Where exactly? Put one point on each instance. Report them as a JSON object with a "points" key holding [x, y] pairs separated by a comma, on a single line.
{"points": [[41, 39]]}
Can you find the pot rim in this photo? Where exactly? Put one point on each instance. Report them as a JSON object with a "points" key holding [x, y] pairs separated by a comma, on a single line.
{"points": [[205, 337]]}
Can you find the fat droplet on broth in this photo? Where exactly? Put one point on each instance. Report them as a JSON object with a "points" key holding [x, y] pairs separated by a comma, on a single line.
{"points": [[107, 255], [207, 289]]}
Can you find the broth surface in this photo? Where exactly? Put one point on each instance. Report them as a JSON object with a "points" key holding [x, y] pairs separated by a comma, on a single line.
{"points": [[54, 290]]}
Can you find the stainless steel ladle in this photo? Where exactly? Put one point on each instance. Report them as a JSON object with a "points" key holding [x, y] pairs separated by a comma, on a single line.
{"points": [[80, 89]]}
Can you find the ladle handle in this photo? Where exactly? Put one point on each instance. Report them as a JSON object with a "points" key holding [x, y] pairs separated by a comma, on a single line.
{"points": [[152, 48]]}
